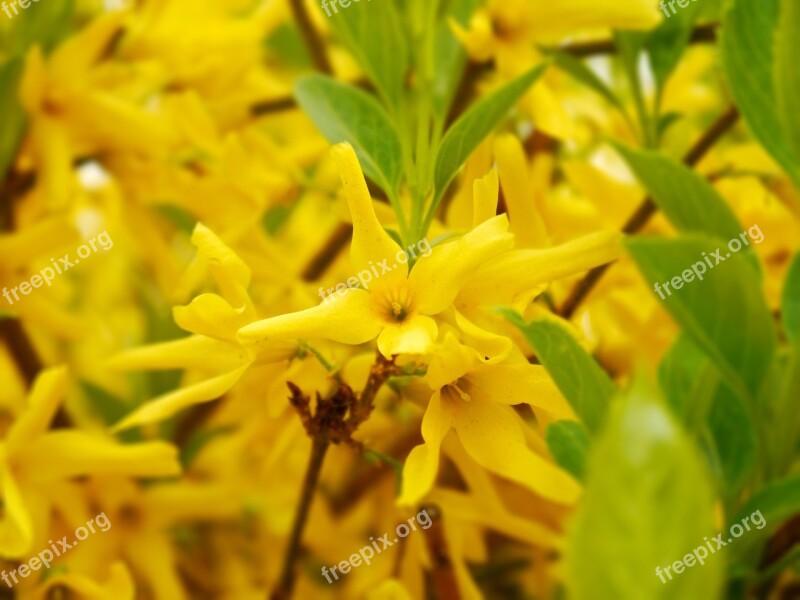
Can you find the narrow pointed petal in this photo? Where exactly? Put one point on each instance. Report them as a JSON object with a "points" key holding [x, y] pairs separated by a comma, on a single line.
{"points": [[519, 384], [16, 525], [210, 315], [167, 405], [492, 435], [422, 464], [44, 400], [437, 278], [67, 453], [485, 193], [501, 279], [192, 352], [370, 243], [348, 318]]}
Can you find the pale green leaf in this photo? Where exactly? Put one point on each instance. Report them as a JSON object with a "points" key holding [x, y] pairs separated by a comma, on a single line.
{"points": [[791, 301], [477, 123], [647, 504], [568, 442], [724, 313], [787, 75], [344, 113], [585, 385]]}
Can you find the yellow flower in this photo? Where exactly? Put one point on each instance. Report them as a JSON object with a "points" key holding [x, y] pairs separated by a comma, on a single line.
{"points": [[398, 306], [32, 457], [475, 399]]}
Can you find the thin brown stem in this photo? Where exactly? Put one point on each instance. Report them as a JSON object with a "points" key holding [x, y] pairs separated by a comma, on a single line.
{"points": [[316, 46], [319, 449], [702, 34], [648, 208]]}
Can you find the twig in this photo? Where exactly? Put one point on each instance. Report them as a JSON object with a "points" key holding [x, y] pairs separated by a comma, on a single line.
{"points": [[316, 46], [648, 208], [702, 34]]}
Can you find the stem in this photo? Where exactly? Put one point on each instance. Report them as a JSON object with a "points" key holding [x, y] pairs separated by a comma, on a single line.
{"points": [[647, 208], [287, 580], [316, 46]]}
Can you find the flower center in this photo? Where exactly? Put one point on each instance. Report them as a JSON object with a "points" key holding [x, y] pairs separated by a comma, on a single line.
{"points": [[396, 304]]}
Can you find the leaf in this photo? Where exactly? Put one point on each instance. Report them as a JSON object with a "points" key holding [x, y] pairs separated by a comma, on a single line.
{"points": [[44, 26], [776, 502], [477, 123], [747, 46], [667, 43], [734, 438], [647, 504], [688, 381], [686, 198], [344, 113], [725, 314], [568, 442], [587, 388], [787, 75], [791, 301], [449, 57], [582, 73], [373, 33]]}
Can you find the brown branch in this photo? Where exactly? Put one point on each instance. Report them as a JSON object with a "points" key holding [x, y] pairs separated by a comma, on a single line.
{"points": [[328, 253], [329, 424], [648, 208], [316, 46]]}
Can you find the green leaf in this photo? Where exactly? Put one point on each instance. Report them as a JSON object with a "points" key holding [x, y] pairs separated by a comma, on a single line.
{"points": [[667, 43], [40, 24], [791, 301], [725, 314], [582, 73], [787, 75], [647, 504], [747, 45], [733, 435], [344, 113], [477, 123], [373, 33], [688, 381], [568, 442], [775, 502], [449, 57], [686, 198], [585, 385]]}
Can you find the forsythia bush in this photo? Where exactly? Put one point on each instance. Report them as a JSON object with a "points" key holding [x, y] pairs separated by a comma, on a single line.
{"points": [[399, 299]]}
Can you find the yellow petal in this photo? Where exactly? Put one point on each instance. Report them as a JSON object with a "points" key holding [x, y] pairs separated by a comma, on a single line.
{"points": [[436, 279], [72, 59], [490, 346], [348, 318], [450, 362], [555, 19], [485, 193], [167, 405], [519, 384], [501, 279], [413, 336], [229, 271], [526, 222], [68, 453], [371, 243], [16, 526], [422, 464], [44, 400], [492, 435], [210, 315], [192, 352]]}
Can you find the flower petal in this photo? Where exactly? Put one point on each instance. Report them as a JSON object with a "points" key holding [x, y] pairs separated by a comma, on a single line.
{"points": [[422, 464], [16, 526], [413, 336], [519, 384], [485, 193], [43, 402], [371, 243], [167, 405], [437, 278], [348, 318], [492, 435], [68, 453]]}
